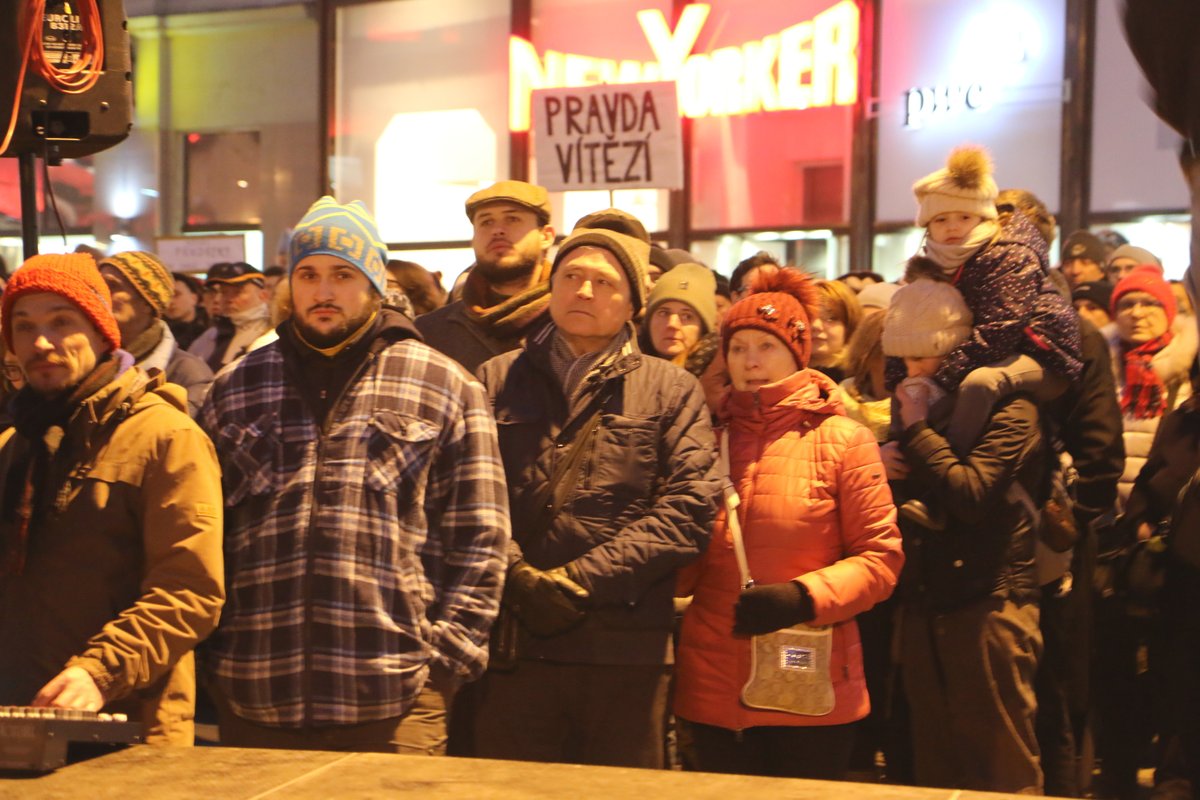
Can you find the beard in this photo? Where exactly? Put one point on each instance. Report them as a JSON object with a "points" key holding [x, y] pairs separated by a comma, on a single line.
{"points": [[511, 267], [341, 331]]}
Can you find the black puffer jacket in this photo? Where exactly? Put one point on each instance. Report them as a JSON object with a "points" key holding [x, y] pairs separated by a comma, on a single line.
{"points": [[645, 500], [987, 547]]}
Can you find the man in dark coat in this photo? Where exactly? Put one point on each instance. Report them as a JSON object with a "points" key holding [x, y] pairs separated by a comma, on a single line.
{"points": [[507, 291], [609, 457]]}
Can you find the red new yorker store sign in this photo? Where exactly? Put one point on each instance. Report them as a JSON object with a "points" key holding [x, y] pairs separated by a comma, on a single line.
{"points": [[810, 64]]}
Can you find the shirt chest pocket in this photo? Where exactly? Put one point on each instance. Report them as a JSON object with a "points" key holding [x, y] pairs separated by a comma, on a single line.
{"points": [[248, 459], [625, 453], [399, 450]]}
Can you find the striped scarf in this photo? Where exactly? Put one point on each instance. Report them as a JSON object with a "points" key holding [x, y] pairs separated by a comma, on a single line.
{"points": [[1143, 395]]}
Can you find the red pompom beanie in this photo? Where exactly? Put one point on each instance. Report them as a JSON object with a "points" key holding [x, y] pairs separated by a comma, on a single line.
{"points": [[783, 302], [73, 276], [1146, 278]]}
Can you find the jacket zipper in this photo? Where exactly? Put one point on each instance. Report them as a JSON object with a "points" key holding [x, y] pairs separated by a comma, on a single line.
{"points": [[745, 509]]}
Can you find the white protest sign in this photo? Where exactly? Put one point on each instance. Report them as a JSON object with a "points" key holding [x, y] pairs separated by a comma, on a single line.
{"points": [[198, 253], [608, 137]]}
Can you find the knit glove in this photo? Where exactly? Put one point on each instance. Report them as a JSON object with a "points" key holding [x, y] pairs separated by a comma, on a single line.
{"points": [[547, 602], [770, 607]]}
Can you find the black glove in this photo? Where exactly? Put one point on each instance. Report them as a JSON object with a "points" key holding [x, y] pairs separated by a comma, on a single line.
{"points": [[762, 609], [546, 601]]}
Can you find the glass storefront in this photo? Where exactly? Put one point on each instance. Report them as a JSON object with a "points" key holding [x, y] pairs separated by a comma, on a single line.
{"points": [[421, 112]]}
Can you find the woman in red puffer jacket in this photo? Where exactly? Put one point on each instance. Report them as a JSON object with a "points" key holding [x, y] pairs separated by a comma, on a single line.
{"points": [[820, 537]]}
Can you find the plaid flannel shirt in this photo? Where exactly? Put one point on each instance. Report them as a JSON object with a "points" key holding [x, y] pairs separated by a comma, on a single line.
{"points": [[360, 554]]}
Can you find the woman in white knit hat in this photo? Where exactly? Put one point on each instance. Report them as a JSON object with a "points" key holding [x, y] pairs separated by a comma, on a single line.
{"points": [[969, 632]]}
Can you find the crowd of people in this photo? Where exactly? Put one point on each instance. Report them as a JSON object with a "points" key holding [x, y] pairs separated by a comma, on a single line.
{"points": [[600, 505]]}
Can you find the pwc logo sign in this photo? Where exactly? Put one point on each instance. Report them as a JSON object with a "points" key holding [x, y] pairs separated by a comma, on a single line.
{"points": [[811, 64]]}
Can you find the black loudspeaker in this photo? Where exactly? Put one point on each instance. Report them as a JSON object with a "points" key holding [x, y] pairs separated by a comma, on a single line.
{"points": [[75, 125]]}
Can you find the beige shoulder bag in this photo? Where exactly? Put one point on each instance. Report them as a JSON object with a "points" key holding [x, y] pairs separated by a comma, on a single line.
{"points": [[790, 669]]}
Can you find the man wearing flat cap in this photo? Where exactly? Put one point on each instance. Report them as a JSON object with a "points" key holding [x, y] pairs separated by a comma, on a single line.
{"points": [[242, 314], [507, 291], [609, 457]]}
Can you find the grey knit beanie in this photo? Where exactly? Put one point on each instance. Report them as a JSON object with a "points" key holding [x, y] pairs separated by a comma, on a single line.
{"points": [[632, 254]]}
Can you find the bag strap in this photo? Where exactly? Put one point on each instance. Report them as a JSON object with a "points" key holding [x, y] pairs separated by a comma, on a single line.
{"points": [[566, 473], [732, 501]]}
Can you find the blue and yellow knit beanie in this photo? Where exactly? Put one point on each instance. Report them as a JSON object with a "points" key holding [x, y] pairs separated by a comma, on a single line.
{"points": [[346, 231]]}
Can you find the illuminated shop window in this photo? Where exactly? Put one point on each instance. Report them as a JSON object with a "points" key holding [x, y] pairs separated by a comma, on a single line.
{"points": [[221, 173], [988, 72], [770, 86], [771, 142], [891, 251], [74, 184], [583, 43], [421, 117], [1125, 123], [821, 252]]}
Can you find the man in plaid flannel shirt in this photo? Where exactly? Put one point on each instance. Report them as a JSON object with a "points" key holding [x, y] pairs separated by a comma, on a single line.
{"points": [[366, 515]]}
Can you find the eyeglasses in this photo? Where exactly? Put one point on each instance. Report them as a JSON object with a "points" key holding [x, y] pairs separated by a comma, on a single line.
{"points": [[1130, 303]]}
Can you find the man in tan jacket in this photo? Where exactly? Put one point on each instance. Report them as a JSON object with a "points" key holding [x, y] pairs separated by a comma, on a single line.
{"points": [[110, 514]]}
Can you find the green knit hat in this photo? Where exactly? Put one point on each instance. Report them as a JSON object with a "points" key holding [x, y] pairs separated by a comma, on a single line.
{"points": [[689, 283], [148, 275]]}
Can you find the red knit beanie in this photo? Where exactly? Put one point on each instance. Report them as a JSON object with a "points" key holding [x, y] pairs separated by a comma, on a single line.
{"points": [[1146, 278], [72, 276], [783, 303]]}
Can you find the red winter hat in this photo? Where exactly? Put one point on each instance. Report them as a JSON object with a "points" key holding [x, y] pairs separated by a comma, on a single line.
{"points": [[1146, 278], [783, 302], [73, 276]]}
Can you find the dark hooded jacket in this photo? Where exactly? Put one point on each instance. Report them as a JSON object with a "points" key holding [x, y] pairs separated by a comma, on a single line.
{"points": [[987, 547]]}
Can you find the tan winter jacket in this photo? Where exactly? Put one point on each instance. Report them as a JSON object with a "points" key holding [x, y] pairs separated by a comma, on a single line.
{"points": [[124, 570]]}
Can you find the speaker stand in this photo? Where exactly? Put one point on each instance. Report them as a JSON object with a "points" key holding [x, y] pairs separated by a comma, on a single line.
{"points": [[26, 168]]}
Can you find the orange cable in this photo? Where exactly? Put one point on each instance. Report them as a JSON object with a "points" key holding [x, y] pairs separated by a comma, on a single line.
{"points": [[16, 109], [83, 74]]}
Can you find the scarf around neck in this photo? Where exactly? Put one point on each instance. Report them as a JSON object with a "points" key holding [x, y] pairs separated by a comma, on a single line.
{"points": [[571, 369], [952, 256], [511, 315], [42, 421], [1143, 395], [144, 343]]}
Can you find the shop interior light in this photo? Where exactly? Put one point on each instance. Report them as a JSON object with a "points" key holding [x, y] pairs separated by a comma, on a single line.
{"points": [[820, 233]]}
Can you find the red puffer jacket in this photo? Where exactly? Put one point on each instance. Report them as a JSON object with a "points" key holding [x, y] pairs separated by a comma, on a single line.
{"points": [[815, 504]]}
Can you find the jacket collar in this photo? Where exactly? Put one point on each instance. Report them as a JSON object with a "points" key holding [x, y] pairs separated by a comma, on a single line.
{"points": [[626, 360], [120, 395], [805, 390]]}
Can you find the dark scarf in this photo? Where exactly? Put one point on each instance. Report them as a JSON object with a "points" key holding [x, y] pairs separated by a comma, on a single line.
{"points": [[1143, 396], [702, 355], [42, 422], [506, 317], [571, 369], [225, 330], [321, 376], [144, 343]]}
